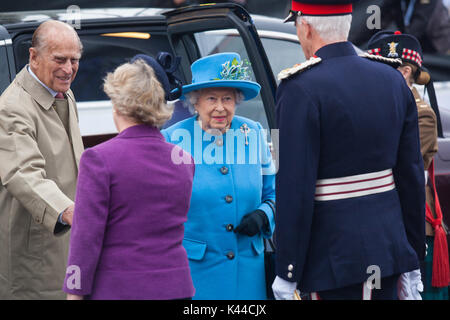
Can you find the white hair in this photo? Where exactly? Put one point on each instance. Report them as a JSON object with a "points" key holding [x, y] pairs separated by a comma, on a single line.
{"points": [[193, 96], [329, 28]]}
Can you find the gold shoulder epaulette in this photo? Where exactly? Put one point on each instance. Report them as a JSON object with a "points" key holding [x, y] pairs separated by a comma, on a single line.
{"points": [[286, 73], [390, 61]]}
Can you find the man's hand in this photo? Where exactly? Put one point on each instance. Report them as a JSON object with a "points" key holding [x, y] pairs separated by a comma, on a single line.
{"points": [[283, 290], [67, 215], [74, 297]]}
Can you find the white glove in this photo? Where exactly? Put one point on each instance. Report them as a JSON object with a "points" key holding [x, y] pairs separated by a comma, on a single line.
{"points": [[410, 285], [404, 287], [283, 290], [416, 284]]}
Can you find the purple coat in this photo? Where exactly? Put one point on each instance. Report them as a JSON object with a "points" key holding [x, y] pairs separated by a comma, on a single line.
{"points": [[130, 207]]}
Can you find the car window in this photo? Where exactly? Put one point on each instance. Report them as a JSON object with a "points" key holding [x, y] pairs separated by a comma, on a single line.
{"points": [[282, 53], [102, 53], [217, 41]]}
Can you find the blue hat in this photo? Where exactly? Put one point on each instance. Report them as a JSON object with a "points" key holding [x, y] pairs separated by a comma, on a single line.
{"points": [[222, 70], [319, 8], [164, 66]]}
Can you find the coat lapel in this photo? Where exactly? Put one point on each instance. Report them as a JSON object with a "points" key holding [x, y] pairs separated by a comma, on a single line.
{"points": [[34, 89], [77, 143]]}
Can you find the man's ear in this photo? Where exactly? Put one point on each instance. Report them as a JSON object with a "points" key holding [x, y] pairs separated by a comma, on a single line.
{"points": [[33, 61], [308, 30]]}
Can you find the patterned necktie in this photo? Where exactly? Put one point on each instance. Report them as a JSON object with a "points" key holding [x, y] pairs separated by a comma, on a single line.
{"points": [[62, 109], [59, 95]]}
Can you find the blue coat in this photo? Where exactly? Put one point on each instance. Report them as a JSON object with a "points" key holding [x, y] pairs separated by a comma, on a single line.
{"points": [[346, 116], [228, 183]]}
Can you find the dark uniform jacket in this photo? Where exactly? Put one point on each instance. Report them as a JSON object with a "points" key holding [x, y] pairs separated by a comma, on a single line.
{"points": [[345, 116]]}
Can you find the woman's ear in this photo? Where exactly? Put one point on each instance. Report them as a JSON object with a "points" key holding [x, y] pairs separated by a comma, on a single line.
{"points": [[406, 71]]}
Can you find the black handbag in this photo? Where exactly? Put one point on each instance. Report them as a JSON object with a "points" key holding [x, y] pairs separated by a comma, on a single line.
{"points": [[269, 259]]}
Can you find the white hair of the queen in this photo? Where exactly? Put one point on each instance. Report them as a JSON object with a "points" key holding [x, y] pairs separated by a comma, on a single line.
{"points": [[193, 96], [329, 28]]}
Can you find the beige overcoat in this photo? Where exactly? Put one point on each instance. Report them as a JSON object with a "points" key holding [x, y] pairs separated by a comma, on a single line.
{"points": [[38, 171]]}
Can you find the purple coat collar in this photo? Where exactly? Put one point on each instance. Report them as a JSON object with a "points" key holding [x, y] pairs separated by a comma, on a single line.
{"points": [[140, 130]]}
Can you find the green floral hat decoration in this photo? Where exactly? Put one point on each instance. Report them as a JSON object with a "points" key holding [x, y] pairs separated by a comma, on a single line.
{"points": [[222, 70]]}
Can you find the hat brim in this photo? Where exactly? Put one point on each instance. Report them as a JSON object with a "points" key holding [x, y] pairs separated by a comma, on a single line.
{"points": [[248, 88]]}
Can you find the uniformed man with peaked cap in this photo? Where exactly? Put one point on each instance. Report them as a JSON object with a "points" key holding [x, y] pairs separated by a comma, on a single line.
{"points": [[350, 196], [436, 269]]}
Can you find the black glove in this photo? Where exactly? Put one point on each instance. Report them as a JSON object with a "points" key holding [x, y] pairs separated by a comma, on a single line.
{"points": [[252, 223]]}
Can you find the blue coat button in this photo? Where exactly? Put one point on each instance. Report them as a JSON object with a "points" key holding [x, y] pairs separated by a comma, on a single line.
{"points": [[230, 255]]}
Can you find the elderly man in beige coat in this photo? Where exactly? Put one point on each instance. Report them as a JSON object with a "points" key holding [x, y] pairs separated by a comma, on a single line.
{"points": [[40, 148]]}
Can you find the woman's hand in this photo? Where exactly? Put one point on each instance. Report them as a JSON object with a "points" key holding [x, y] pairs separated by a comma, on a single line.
{"points": [[252, 223], [74, 297]]}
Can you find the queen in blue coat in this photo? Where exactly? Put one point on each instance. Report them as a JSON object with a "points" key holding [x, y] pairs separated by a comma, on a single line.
{"points": [[233, 196]]}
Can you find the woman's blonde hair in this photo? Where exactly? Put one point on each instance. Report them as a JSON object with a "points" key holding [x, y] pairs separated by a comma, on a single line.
{"points": [[136, 93]]}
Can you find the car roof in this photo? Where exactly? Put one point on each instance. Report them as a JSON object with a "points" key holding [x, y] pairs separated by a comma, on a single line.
{"points": [[273, 24], [12, 19]]}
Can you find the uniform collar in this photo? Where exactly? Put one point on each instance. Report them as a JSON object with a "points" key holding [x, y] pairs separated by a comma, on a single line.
{"points": [[338, 49], [140, 130]]}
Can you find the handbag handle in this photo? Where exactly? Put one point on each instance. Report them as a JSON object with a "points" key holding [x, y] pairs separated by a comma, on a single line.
{"points": [[271, 204]]}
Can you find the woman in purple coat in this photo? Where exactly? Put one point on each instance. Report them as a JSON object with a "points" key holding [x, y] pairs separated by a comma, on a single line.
{"points": [[132, 200]]}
